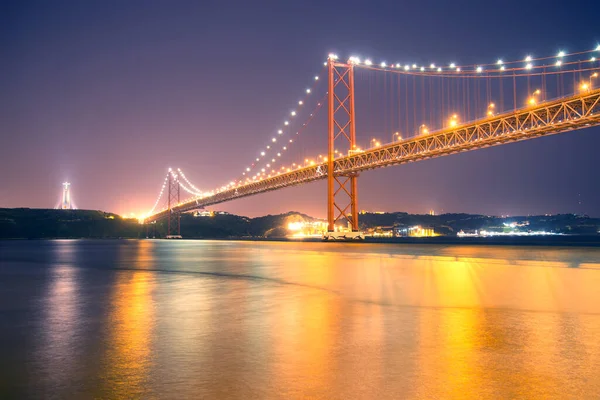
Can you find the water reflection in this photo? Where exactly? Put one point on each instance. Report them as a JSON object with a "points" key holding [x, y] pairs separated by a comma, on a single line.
{"points": [[156, 319], [127, 360], [306, 333], [61, 328]]}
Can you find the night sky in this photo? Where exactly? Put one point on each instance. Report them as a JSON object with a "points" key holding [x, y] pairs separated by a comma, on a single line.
{"points": [[109, 94]]}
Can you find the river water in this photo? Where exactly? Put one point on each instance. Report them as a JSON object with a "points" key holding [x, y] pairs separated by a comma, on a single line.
{"points": [[230, 319]]}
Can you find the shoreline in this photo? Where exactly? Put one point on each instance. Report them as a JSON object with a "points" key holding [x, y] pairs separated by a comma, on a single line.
{"points": [[554, 241]]}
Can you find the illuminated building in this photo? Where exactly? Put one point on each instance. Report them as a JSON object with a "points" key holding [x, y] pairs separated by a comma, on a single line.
{"points": [[301, 228], [383, 231], [203, 213], [415, 231]]}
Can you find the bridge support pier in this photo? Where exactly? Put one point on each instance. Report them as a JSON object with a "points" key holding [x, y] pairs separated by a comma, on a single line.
{"points": [[342, 190], [150, 230]]}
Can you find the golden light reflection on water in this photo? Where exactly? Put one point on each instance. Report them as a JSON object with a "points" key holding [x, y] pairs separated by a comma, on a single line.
{"points": [[307, 334], [296, 320], [443, 281], [485, 326], [127, 360]]}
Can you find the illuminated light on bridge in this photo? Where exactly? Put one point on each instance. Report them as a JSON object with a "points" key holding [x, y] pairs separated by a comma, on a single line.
{"points": [[561, 105], [286, 123]]}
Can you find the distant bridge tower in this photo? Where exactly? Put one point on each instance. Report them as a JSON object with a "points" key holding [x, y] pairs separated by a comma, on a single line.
{"points": [[173, 200], [66, 197]]}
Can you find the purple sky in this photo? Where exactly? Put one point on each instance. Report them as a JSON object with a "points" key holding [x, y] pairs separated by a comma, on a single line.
{"points": [[110, 94]]}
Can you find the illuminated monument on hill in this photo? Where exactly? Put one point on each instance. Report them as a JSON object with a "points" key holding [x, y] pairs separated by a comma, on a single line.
{"points": [[66, 203]]}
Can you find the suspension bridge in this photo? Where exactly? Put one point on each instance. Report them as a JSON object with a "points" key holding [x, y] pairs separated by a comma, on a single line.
{"points": [[427, 111]]}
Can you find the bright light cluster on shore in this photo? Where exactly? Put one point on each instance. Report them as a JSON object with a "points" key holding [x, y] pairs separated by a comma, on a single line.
{"points": [[306, 229], [484, 233]]}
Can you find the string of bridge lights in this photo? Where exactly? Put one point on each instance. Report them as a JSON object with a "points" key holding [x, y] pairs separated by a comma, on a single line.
{"points": [[197, 192], [162, 189], [194, 191], [499, 67], [279, 137], [259, 176], [281, 131], [190, 191], [264, 171]]}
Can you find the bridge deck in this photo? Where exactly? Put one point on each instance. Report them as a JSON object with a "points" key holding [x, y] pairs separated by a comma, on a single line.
{"points": [[562, 115]]}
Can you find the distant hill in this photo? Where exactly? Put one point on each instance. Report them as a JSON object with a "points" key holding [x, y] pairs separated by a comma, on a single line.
{"points": [[229, 225], [450, 224], [26, 223], [32, 223]]}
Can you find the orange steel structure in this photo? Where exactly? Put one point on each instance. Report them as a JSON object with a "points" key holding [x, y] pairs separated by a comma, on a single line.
{"points": [[341, 185], [561, 115]]}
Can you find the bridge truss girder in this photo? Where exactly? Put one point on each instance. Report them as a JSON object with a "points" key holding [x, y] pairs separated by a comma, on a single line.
{"points": [[548, 118], [554, 117]]}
